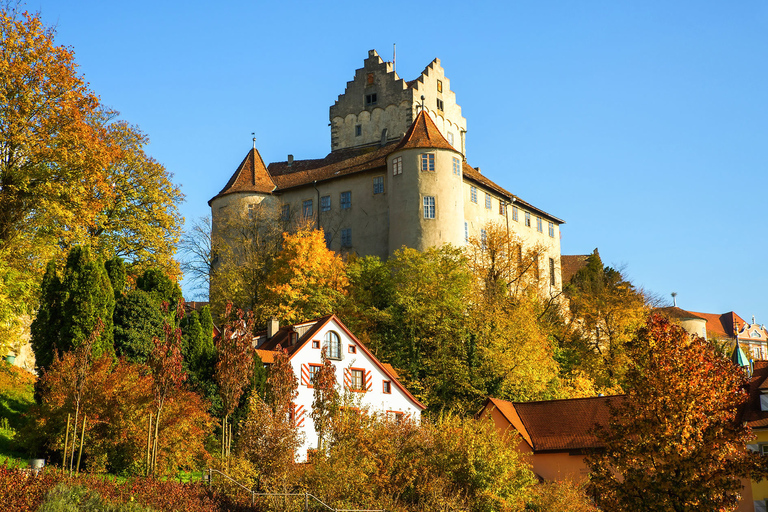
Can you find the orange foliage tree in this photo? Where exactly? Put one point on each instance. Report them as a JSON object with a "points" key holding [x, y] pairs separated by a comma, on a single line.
{"points": [[675, 442], [118, 398], [308, 279]]}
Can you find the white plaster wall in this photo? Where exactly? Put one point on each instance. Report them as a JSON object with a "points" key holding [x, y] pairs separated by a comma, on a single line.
{"points": [[374, 400], [477, 215]]}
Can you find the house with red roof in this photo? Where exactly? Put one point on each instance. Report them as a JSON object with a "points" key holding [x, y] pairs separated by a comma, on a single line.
{"points": [[397, 175], [556, 433], [729, 327], [375, 385]]}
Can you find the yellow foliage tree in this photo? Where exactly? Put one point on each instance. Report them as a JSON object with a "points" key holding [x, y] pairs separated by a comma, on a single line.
{"points": [[308, 279]]}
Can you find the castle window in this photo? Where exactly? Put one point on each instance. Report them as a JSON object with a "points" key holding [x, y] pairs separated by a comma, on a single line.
{"points": [[552, 271], [397, 166], [346, 200], [483, 238], [502, 208], [346, 237], [539, 226], [488, 200], [527, 219], [450, 138], [307, 208], [325, 203], [514, 213], [439, 86], [370, 78], [370, 99], [466, 232], [358, 130], [378, 184], [328, 238], [429, 207], [552, 229], [286, 212], [427, 161], [456, 165], [473, 194], [440, 105]]}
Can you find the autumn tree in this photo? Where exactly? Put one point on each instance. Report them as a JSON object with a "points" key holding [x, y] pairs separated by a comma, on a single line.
{"points": [[268, 436], [325, 403], [605, 311], [308, 279], [675, 442], [70, 174], [166, 366], [235, 361]]}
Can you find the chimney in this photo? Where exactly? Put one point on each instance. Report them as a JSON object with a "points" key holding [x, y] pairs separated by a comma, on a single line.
{"points": [[290, 160], [478, 170], [272, 327]]}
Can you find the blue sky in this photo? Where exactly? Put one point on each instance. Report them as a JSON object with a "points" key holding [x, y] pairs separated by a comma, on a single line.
{"points": [[642, 124]]}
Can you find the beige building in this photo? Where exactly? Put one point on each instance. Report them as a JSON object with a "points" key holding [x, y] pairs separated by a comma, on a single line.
{"points": [[397, 175]]}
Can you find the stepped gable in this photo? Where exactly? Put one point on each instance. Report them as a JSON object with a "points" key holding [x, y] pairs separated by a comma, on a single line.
{"points": [[423, 133], [251, 176], [415, 84]]}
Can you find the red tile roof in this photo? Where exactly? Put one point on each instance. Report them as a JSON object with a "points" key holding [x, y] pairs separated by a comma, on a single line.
{"points": [[571, 264], [750, 412], [675, 313], [721, 326], [558, 425], [424, 134], [251, 176]]}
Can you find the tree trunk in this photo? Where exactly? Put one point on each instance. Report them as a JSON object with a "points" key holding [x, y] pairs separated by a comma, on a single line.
{"points": [[149, 443], [82, 438], [157, 434], [66, 441]]}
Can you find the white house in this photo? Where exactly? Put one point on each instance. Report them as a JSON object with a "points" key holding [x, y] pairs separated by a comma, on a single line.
{"points": [[376, 383]]}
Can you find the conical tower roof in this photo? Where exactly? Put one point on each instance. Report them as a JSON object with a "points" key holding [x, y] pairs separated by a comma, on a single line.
{"points": [[738, 357], [423, 133], [251, 176]]}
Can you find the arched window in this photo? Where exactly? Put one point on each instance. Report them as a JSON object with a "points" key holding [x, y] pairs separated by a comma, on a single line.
{"points": [[333, 342]]}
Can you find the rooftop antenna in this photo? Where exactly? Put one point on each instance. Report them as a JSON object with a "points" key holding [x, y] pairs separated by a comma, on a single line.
{"points": [[253, 134], [394, 57], [674, 299]]}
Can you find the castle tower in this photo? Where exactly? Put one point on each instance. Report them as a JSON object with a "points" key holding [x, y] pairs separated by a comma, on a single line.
{"points": [[378, 106], [426, 204]]}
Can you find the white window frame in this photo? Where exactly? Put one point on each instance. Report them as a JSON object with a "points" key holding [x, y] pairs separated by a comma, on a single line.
{"points": [[430, 209], [427, 162], [551, 229], [488, 202], [473, 193], [397, 166]]}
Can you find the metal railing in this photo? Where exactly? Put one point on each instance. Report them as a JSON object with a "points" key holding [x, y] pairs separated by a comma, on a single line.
{"points": [[307, 496]]}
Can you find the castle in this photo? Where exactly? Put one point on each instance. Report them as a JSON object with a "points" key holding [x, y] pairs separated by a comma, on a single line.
{"points": [[397, 175]]}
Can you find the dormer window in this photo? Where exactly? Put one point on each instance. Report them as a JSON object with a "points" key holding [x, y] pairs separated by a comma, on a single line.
{"points": [[370, 99], [764, 402], [294, 337]]}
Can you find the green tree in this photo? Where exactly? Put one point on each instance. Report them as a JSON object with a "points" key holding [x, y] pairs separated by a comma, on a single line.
{"points": [[606, 309], [117, 275], [674, 441], [138, 319], [72, 305], [161, 288]]}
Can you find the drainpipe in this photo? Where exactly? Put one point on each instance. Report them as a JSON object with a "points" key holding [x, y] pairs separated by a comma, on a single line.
{"points": [[314, 184]]}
